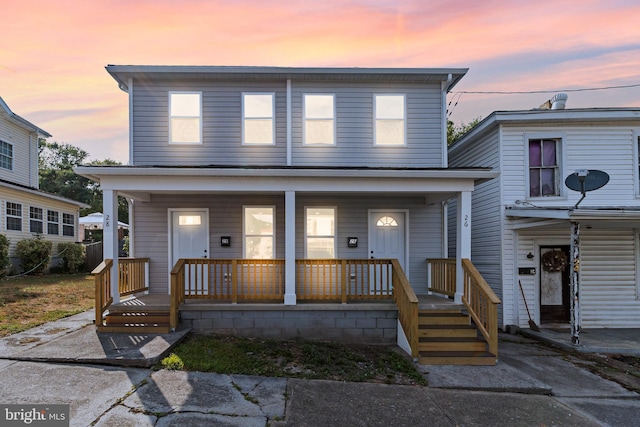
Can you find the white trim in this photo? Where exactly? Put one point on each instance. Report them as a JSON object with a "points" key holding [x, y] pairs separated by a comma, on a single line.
{"points": [[244, 230], [333, 119], [534, 306], [404, 120], [405, 212], [131, 121], [335, 228], [560, 138], [170, 212], [200, 117], [272, 118], [289, 133]]}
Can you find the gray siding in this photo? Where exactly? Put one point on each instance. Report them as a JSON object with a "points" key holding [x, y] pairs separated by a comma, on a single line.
{"points": [[225, 219], [355, 123]]}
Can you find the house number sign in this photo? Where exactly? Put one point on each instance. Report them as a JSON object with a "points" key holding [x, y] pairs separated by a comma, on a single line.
{"points": [[107, 222]]}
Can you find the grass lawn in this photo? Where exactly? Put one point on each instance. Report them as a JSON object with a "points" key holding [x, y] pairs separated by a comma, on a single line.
{"points": [[30, 301], [293, 359]]}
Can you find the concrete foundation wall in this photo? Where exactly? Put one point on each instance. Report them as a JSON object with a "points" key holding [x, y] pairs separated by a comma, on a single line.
{"points": [[373, 324]]}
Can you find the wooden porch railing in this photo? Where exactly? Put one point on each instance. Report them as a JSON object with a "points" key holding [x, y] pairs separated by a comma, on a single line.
{"points": [[477, 296], [407, 303], [133, 275], [482, 304], [102, 275], [442, 277], [343, 279]]}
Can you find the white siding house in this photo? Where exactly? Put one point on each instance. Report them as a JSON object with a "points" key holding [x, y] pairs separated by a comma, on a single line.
{"points": [[528, 211], [26, 211]]}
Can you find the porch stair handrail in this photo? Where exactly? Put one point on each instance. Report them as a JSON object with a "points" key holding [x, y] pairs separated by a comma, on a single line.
{"points": [[102, 277], [442, 276], [407, 302], [177, 292], [133, 275], [482, 304]]}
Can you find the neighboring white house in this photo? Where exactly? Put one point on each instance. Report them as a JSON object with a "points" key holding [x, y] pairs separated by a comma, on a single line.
{"points": [[522, 220], [25, 210], [95, 221]]}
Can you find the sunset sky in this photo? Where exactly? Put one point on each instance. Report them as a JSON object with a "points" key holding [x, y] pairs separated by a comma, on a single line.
{"points": [[53, 53]]}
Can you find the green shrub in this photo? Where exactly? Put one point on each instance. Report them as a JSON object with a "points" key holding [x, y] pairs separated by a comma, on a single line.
{"points": [[72, 256], [5, 264], [34, 254]]}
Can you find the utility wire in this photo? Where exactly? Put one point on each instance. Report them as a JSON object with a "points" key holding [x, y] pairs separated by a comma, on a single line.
{"points": [[496, 92]]}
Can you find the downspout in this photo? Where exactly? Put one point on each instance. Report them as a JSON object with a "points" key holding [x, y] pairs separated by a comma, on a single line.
{"points": [[289, 148], [130, 91], [444, 86], [131, 228]]}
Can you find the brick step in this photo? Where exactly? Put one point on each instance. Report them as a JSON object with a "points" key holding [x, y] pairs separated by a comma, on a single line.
{"points": [[124, 318], [136, 329], [472, 358], [451, 331], [435, 318], [452, 344]]}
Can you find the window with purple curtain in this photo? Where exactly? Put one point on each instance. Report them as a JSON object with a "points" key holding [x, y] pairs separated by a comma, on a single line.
{"points": [[543, 168]]}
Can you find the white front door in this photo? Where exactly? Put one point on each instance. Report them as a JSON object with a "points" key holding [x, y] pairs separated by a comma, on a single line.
{"points": [[387, 240], [190, 239]]}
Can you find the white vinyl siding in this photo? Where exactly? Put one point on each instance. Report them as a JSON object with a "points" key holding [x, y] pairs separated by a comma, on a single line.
{"points": [[6, 155], [390, 126], [319, 119], [185, 117], [258, 126], [36, 220], [259, 232]]}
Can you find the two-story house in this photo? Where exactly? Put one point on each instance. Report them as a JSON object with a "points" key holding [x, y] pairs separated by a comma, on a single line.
{"points": [[523, 221], [26, 210], [298, 187]]}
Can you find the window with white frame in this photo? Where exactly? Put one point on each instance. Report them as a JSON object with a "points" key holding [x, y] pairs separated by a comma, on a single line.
{"points": [[13, 216], [320, 233], [258, 118], [259, 232], [544, 167], [389, 119], [53, 223], [185, 111], [319, 119], [36, 220], [68, 224], [6, 155]]}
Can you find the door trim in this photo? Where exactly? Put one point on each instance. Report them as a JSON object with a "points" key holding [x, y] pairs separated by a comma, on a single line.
{"points": [[406, 233], [170, 212], [537, 244]]}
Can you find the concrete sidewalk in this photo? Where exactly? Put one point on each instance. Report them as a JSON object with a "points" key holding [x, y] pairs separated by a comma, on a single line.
{"points": [[532, 384]]}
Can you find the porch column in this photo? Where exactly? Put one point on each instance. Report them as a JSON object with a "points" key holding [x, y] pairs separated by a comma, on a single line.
{"points": [[463, 240], [110, 237], [290, 248]]}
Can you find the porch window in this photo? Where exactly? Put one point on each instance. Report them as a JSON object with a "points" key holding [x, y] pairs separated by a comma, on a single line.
{"points": [[53, 223], [68, 224], [319, 119], [544, 170], [185, 118], [36, 221], [259, 232], [6, 155], [14, 216], [320, 233], [389, 119], [258, 118]]}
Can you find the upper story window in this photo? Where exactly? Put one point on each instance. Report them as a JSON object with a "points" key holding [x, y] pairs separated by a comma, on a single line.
{"points": [[259, 232], [258, 118], [185, 110], [389, 119], [53, 222], [6, 155], [36, 221], [544, 167], [320, 233], [68, 224], [319, 119], [14, 216]]}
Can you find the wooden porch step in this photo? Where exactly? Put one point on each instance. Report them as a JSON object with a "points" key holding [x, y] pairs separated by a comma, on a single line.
{"points": [[445, 318], [473, 358], [471, 344], [136, 329], [136, 318], [451, 331]]}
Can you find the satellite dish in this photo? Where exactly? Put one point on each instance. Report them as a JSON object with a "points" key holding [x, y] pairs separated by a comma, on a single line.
{"points": [[586, 180]]}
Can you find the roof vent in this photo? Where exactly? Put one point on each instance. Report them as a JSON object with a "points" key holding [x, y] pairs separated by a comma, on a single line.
{"points": [[558, 102]]}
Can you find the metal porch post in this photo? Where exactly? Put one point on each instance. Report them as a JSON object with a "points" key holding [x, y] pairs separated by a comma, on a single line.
{"points": [[575, 283]]}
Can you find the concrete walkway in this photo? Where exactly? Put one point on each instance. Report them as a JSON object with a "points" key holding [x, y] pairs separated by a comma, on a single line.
{"points": [[103, 382]]}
